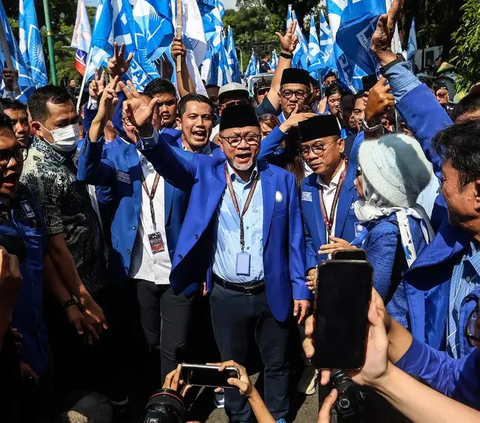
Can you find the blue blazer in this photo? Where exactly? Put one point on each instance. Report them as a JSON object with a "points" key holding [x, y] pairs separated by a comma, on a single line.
{"points": [[120, 169], [283, 239]]}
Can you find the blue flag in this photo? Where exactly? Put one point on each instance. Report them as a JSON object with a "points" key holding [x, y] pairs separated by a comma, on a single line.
{"points": [[232, 57], [326, 47], [212, 14], [300, 55], [31, 43], [274, 60], [114, 22], [25, 80], [252, 67], [412, 42], [314, 55]]}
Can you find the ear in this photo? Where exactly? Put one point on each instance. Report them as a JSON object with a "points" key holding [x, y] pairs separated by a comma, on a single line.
{"points": [[476, 186], [179, 123], [37, 128], [341, 145]]}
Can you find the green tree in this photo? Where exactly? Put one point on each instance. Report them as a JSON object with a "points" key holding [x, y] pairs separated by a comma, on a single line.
{"points": [[466, 53]]}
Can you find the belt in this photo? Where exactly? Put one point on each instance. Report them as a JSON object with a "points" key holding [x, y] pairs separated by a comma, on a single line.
{"points": [[250, 288]]}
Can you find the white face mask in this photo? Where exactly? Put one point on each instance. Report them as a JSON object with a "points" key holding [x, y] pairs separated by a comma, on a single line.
{"points": [[65, 139]]}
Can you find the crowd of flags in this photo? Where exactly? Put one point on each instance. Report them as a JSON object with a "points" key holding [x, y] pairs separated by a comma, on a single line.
{"points": [[148, 29]]}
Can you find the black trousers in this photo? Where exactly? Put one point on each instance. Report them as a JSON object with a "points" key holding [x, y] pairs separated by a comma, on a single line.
{"points": [[235, 317], [165, 319]]}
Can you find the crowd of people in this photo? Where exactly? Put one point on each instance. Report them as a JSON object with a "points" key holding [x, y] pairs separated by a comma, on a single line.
{"points": [[165, 226]]}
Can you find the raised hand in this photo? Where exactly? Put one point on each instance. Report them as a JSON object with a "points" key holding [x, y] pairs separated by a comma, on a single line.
{"points": [[139, 108], [178, 49], [118, 65], [381, 44], [294, 119], [10, 78], [288, 41], [379, 101], [96, 87], [106, 108]]}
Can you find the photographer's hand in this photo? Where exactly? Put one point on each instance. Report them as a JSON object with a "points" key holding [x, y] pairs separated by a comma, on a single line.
{"points": [[324, 414], [174, 380]]}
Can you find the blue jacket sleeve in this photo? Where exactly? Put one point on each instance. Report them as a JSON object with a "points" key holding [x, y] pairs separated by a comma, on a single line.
{"points": [[88, 116], [270, 143], [310, 253], [456, 378], [91, 167]]}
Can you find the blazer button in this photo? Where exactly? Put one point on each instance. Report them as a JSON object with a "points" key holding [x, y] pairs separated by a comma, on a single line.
{"points": [[180, 256], [196, 236], [128, 251], [134, 228]]}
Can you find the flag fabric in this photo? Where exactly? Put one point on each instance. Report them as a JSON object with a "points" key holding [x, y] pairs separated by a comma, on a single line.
{"points": [[26, 83], [274, 60], [252, 67], [300, 54], [326, 47], [30, 43], [155, 22], [350, 75], [114, 22], [412, 42], [212, 12], [82, 37], [215, 69], [232, 57], [314, 55]]}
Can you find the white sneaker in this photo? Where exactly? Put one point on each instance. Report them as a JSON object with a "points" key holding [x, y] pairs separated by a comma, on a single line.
{"points": [[308, 381], [219, 399]]}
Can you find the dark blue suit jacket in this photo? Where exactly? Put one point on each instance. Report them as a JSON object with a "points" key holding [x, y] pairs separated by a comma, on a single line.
{"points": [[283, 239]]}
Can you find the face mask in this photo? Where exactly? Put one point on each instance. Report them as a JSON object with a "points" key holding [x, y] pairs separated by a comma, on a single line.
{"points": [[65, 139]]}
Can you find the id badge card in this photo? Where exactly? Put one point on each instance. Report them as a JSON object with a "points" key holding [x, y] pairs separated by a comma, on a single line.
{"points": [[156, 242], [243, 264]]}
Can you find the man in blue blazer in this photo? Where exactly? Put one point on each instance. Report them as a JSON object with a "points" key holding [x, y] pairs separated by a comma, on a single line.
{"points": [[243, 234], [328, 194], [146, 210]]}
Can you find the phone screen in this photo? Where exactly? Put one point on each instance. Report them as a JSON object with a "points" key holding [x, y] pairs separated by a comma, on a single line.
{"points": [[342, 301], [369, 82], [205, 375]]}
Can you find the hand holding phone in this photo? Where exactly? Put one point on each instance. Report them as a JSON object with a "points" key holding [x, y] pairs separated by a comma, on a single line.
{"points": [[210, 375]]}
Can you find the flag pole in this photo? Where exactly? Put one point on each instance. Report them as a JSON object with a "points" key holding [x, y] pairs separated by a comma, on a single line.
{"points": [[84, 79], [8, 57], [179, 32], [51, 53]]}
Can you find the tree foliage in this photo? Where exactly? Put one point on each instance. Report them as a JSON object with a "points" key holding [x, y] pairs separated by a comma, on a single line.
{"points": [[466, 53]]}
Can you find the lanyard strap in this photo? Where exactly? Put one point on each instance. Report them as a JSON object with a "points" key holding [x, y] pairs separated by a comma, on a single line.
{"points": [[235, 203], [329, 220], [151, 196]]}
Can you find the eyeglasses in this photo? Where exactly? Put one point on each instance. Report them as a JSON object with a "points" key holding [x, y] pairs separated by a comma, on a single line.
{"points": [[263, 91], [20, 154], [318, 149], [472, 330], [235, 140], [299, 94]]}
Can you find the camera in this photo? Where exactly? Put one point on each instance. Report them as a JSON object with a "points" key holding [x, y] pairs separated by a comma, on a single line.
{"points": [[165, 406], [349, 406]]}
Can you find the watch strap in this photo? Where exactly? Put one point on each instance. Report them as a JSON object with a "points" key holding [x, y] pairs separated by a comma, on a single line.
{"points": [[385, 68], [286, 55], [71, 302]]}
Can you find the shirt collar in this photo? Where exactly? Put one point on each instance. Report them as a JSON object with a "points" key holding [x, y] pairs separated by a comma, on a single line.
{"points": [[473, 258], [206, 151], [335, 180], [234, 176], [50, 152]]}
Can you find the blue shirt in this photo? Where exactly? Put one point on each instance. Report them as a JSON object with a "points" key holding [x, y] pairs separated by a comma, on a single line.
{"points": [[465, 279], [228, 231]]}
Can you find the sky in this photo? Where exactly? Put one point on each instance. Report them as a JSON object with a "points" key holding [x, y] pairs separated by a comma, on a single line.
{"points": [[230, 4]]}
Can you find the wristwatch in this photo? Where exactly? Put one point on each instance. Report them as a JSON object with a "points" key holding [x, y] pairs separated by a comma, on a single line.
{"points": [[367, 128], [385, 68], [286, 55], [71, 302]]}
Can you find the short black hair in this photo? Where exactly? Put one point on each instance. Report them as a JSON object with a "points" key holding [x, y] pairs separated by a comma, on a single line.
{"points": [[211, 86], [37, 103], [459, 144], [468, 104], [360, 94], [199, 98], [329, 75], [12, 104], [314, 82], [5, 122], [333, 89], [160, 86]]}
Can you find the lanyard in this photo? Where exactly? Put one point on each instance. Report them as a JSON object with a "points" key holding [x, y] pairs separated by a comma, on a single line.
{"points": [[330, 220], [235, 203], [151, 196]]}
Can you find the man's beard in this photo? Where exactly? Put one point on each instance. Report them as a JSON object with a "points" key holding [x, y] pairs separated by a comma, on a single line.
{"points": [[244, 167]]}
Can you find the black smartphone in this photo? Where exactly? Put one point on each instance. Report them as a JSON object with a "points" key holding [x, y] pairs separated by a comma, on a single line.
{"points": [[342, 299], [369, 81], [207, 375], [357, 254]]}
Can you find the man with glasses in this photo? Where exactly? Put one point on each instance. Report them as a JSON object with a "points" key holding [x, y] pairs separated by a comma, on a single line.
{"points": [[328, 193], [261, 89], [294, 90], [443, 97], [247, 243]]}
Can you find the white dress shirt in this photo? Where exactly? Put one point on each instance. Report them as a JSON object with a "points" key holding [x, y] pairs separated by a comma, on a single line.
{"points": [[145, 265], [329, 195]]}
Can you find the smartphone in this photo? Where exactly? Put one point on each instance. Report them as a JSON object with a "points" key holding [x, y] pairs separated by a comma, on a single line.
{"points": [[369, 81], [350, 255], [342, 299], [208, 375]]}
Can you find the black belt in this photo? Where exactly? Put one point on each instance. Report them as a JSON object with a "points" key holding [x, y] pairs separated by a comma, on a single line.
{"points": [[250, 288]]}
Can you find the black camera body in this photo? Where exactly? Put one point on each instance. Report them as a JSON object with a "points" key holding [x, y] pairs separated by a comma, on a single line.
{"points": [[349, 406], [165, 406]]}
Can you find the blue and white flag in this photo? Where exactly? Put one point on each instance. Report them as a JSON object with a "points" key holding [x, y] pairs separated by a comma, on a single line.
{"points": [[412, 42], [300, 54], [215, 69], [82, 37], [155, 21], [350, 75], [326, 47], [31, 43], [212, 14], [26, 83], [274, 61], [314, 55], [252, 67], [114, 22], [232, 57]]}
